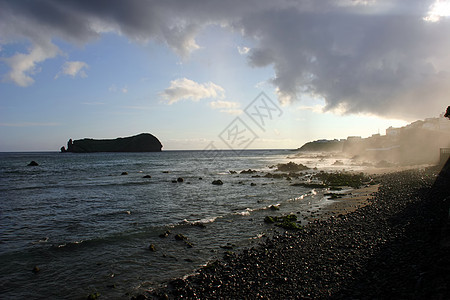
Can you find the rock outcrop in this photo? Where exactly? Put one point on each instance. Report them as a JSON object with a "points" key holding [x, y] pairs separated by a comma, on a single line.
{"points": [[144, 142]]}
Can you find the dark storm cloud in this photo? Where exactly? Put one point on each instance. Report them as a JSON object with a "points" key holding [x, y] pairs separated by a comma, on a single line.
{"points": [[377, 57]]}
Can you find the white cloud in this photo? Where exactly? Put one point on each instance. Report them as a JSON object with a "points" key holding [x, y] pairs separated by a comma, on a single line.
{"points": [[24, 65], [243, 50], [74, 69], [314, 108], [228, 107], [223, 104], [187, 89], [114, 89]]}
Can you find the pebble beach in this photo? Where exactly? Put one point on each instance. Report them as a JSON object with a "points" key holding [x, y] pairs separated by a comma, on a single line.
{"points": [[389, 242]]}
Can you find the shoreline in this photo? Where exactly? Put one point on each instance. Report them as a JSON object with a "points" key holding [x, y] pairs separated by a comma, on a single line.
{"points": [[390, 248], [347, 203]]}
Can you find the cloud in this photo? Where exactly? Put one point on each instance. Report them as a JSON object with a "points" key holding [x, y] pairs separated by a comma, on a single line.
{"points": [[439, 9], [314, 108], [184, 88], [380, 59], [74, 69], [114, 89], [24, 65], [232, 108], [243, 50], [30, 124], [388, 58]]}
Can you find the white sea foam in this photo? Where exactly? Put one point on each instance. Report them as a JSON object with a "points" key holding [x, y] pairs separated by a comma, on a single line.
{"points": [[246, 212]]}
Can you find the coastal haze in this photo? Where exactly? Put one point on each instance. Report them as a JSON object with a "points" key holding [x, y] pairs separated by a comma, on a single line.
{"points": [[251, 149]]}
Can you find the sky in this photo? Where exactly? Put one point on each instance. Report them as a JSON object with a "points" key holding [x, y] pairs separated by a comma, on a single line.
{"points": [[213, 74]]}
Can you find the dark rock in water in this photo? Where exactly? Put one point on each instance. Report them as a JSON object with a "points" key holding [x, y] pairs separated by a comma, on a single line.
{"points": [[273, 207], [252, 184], [291, 167], [174, 181], [93, 296], [217, 182], [232, 172], [33, 164], [180, 237], [200, 178], [124, 173], [165, 234], [269, 220], [36, 269], [147, 176], [249, 171], [152, 248], [199, 224], [180, 179], [144, 142], [139, 297], [228, 246]]}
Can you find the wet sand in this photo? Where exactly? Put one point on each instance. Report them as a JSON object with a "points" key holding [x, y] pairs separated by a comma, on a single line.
{"points": [[349, 202]]}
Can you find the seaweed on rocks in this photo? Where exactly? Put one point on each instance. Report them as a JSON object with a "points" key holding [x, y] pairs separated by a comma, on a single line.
{"points": [[286, 222], [343, 179], [291, 167]]}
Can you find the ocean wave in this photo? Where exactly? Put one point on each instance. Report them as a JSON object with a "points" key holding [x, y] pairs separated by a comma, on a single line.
{"points": [[197, 222], [69, 245], [245, 212], [44, 240]]}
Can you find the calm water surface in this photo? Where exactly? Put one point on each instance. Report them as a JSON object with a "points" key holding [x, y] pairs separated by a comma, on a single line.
{"points": [[88, 227]]}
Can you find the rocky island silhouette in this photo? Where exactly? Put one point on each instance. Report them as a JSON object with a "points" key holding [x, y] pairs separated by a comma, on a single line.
{"points": [[144, 142]]}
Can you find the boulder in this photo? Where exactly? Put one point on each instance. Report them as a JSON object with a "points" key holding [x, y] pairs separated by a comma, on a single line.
{"points": [[180, 237], [291, 167], [33, 164], [249, 171], [217, 182], [165, 234]]}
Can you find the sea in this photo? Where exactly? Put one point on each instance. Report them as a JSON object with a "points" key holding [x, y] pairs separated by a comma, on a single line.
{"points": [[79, 224]]}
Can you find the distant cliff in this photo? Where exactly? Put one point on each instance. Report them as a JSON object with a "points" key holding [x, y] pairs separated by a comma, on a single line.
{"points": [[416, 143], [144, 142], [323, 146]]}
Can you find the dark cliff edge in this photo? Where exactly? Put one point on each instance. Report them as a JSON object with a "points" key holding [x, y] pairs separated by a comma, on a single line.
{"points": [[323, 146], [144, 142]]}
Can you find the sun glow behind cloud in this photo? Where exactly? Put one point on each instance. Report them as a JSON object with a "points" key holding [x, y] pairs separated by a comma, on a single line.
{"points": [[440, 9]]}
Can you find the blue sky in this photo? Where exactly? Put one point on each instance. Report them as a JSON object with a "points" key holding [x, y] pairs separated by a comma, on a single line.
{"points": [[184, 71]]}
